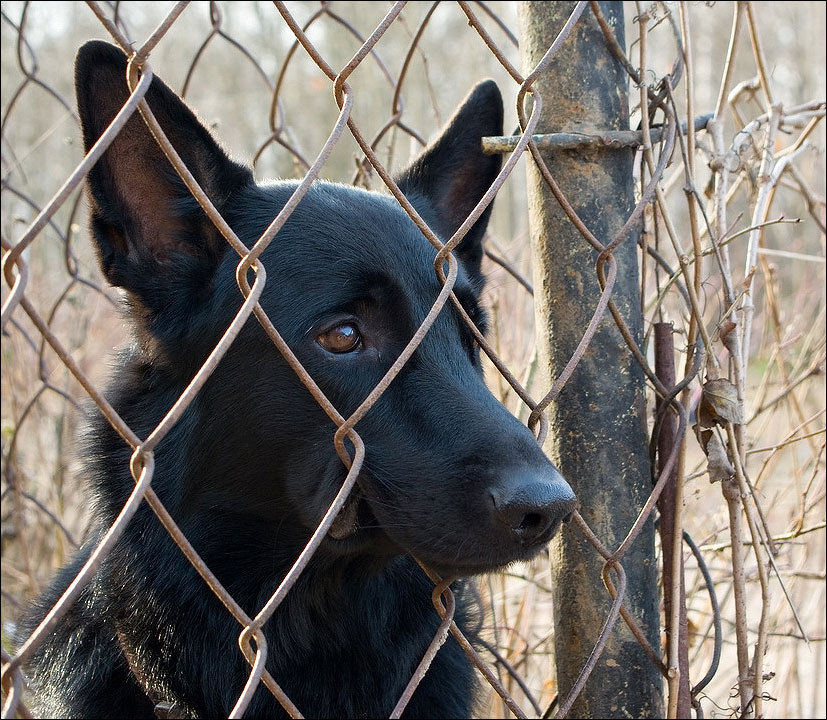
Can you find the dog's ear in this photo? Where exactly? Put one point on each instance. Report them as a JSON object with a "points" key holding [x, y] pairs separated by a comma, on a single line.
{"points": [[149, 230], [451, 175]]}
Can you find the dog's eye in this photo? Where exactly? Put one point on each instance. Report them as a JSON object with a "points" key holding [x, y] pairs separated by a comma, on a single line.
{"points": [[343, 338]]}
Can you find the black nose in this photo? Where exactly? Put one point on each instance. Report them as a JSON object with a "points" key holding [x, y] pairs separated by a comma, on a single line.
{"points": [[533, 508]]}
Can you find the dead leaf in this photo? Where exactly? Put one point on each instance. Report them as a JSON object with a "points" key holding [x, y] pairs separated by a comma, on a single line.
{"points": [[719, 404], [718, 465], [729, 335], [702, 435]]}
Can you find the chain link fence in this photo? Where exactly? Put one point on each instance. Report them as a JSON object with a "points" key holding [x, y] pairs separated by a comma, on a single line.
{"points": [[731, 215]]}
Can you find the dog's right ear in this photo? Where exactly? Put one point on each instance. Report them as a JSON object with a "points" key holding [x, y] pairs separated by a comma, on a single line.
{"points": [[452, 174], [149, 230]]}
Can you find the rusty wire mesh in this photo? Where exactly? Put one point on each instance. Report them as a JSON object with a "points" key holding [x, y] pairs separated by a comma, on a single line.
{"points": [[58, 316]]}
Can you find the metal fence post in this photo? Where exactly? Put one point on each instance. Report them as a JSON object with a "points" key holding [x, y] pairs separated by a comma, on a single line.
{"points": [[597, 426]]}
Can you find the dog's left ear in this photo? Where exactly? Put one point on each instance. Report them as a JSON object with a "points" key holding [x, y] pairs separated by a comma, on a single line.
{"points": [[451, 175]]}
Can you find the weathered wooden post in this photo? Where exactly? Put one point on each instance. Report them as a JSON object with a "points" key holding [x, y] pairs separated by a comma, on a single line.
{"points": [[597, 431]]}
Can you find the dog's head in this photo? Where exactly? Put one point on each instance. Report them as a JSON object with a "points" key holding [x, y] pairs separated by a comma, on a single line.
{"points": [[449, 475]]}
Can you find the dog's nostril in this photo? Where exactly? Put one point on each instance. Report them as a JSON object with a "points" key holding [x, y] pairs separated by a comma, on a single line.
{"points": [[530, 521], [533, 510], [531, 525]]}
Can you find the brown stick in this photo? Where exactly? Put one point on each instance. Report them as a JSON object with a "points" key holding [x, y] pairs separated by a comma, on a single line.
{"points": [[665, 370]]}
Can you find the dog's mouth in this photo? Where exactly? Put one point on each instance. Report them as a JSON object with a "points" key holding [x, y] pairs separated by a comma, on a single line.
{"points": [[486, 562], [346, 522], [358, 528], [357, 520], [354, 515]]}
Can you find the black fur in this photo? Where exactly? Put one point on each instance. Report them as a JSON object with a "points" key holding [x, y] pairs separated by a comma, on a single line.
{"points": [[450, 477]]}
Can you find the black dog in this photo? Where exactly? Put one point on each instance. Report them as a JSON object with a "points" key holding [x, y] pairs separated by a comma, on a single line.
{"points": [[450, 477]]}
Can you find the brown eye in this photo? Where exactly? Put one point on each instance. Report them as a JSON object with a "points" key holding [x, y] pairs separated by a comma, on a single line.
{"points": [[343, 338]]}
